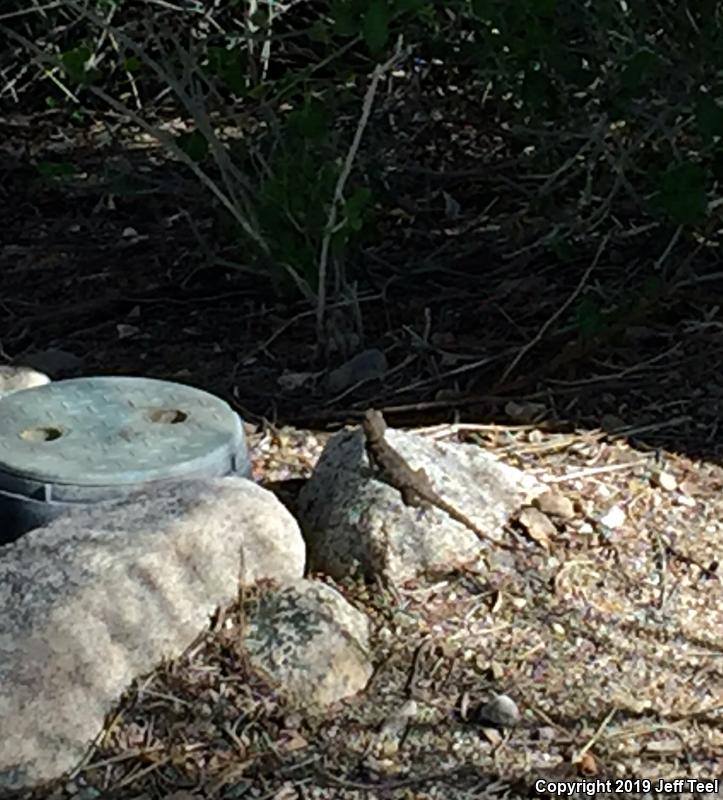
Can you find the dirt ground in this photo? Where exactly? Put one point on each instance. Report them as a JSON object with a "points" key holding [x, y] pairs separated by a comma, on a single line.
{"points": [[610, 644]]}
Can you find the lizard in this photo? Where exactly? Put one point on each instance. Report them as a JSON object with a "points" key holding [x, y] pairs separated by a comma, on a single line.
{"points": [[414, 485]]}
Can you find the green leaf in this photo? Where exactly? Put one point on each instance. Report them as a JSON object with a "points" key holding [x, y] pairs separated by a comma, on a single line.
{"points": [[55, 169], [683, 193], [74, 62], [543, 8], [376, 25], [562, 249], [260, 18], [355, 206], [410, 5], [346, 22], [639, 70], [709, 116], [589, 317], [716, 164], [194, 145], [319, 32], [310, 120], [132, 64], [538, 90], [485, 10], [227, 65], [653, 287], [261, 91]]}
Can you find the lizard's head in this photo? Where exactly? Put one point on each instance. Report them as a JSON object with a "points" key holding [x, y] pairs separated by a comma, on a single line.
{"points": [[374, 422]]}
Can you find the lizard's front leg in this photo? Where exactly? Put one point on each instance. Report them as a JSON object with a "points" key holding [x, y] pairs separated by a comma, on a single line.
{"points": [[412, 491]]}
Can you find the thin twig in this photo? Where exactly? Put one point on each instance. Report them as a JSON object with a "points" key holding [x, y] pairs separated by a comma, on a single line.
{"points": [[36, 9], [590, 471], [163, 138], [338, 197], [236, 198], [594, 738]]}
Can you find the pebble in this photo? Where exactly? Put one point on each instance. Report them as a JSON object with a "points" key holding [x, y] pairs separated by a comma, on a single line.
{"points": [[555, 504], [538, 526], [525, 412], [501, 711], [367, 365], [666, 481], [614, 518]]}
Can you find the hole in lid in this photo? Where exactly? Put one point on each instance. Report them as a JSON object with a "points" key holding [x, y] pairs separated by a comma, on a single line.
{"points": [[168, 416], [41, 434]]}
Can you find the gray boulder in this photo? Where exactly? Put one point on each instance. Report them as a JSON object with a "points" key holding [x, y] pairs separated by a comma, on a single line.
{"points": [[101, 595], [355, 522]]}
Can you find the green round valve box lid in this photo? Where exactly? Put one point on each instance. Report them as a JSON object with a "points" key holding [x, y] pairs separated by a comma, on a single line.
{"points": [[91, 438]]}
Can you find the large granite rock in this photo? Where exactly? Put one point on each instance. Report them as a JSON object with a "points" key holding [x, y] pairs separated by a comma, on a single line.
{"points": [[101, 595], [354, 522]]}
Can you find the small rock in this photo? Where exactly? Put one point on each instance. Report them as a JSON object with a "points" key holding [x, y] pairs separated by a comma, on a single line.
{"points": [[15, 379], [310, 642], [293, 381], [293, 720], [555, 504], [452, 207], [127, 331], [587, 764], [365, 366], [614, 518], [666, 481], [525, 412], [496, 670], [538, 526], [546, 734], [501, 711], [53, 360], [611, 423]]}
